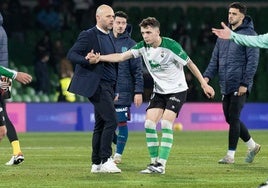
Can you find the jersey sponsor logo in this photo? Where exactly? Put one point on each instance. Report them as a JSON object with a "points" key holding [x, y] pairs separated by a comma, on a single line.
{"points": [[174, 99], [154, 64], [121, 109], [123, 49]]}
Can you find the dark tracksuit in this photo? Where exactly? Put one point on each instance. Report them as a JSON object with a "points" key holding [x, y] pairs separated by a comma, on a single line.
{"points": [[129, 82], [236, 66], [130, 74]]}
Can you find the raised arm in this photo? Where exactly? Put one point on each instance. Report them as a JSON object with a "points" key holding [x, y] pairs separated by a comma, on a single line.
{"points": [[113, 58], [117, 57], [260, 41], [224, 33]]}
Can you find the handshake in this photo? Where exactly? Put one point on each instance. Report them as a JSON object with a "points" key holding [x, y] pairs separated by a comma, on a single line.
{"points": [[93, 58]]}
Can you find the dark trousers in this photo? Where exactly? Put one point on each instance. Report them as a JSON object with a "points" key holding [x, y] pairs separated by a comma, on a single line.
{"points": [[105, 122], [232, 107]]}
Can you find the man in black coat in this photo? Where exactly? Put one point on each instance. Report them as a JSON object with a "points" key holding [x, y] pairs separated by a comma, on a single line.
{"points": [[236, 66], [97, 83]]}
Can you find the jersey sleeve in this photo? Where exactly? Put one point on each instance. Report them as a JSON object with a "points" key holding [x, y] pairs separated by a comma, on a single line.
{"points": [[8, 72], [180, 55], [136, 49], [260, 41]]}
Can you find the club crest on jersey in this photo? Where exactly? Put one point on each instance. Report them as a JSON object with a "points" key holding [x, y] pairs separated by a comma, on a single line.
{"points": [[123, 49], [162, 54]]}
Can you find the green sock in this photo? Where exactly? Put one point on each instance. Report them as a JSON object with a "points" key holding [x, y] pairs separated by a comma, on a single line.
{"points": [[166, 141], [151, 140]]}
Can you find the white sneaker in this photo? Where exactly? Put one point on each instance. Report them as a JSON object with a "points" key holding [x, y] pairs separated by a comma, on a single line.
{"points": [[226, 160], [15, 160], [109, 167], [117, 158], [264, 185], [148, 169], [252, 153], [157, 168], [95, 168]]}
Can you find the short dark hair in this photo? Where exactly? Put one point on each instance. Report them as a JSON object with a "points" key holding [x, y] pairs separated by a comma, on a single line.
{"points": [[241, 7], [150, 21], [121, 14]]}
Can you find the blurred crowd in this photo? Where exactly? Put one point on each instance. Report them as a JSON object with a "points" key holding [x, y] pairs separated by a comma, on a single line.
{"points": [[47, 17], [57, 23]]}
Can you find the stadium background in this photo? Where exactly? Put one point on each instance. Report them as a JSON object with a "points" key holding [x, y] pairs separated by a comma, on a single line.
{"points": [[188, 22]]}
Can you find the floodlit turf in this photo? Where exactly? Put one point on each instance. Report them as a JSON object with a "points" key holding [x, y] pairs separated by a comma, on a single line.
{"points": [[63, 160]]}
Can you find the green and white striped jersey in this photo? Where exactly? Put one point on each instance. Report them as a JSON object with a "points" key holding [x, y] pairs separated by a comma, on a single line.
{"points": [[165, 64]]}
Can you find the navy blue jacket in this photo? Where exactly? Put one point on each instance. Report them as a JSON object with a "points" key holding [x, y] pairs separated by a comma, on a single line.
{"points": [[236, 65], [130, 75], [3, 45], [86, 77]]}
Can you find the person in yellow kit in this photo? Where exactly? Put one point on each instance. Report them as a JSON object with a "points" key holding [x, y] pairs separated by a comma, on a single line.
{"points": [[65, 96], [66, 71]]}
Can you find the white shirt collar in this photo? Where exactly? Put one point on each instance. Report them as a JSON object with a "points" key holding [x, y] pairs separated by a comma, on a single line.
{"points": [[102, 30]]}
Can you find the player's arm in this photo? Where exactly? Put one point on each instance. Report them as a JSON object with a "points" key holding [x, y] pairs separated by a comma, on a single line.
{"points": [[117, 57], [19, 76], [8, 72], [224, 33], [208, 90], [113, 58], [260, 41], [23, 77]]}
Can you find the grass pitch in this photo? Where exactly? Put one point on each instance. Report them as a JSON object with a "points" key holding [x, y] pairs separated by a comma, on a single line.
{"points": [[63, 160]]}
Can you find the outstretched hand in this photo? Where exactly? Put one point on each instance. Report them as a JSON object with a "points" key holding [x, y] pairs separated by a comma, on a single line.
{"points": [[93, 58], [23, 78], [224, 33]]}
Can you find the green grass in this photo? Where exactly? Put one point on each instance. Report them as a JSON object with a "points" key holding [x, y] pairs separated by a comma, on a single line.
{"points": [[63, 160]]}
